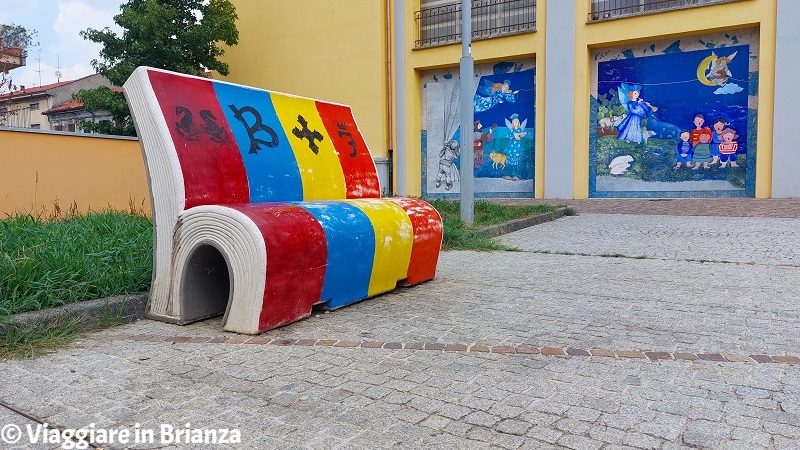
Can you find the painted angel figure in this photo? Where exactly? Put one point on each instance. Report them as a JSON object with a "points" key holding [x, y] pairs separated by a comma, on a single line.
{"points": [[718, 71], [514, 148], [630, 129], [490, 94]]}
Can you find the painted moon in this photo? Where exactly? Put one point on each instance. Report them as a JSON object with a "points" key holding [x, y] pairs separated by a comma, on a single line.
{"points": [[701, 70]]}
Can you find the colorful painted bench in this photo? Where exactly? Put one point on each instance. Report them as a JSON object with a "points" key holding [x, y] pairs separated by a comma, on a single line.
{"points": [[266, 204]]}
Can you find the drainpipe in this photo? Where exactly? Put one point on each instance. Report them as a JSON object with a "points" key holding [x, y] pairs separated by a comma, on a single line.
{"points": [[388, 10], [400, 97]]}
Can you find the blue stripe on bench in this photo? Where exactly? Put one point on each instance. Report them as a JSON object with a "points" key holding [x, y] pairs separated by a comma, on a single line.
{"points": [[272, 172], [351, 251]]}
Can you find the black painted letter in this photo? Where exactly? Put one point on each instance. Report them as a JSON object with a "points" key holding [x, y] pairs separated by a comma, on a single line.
{"points": [[255, 143]]}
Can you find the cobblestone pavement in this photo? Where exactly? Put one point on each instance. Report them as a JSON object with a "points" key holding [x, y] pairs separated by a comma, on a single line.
{"points": [[731, 207], [653, 333]]}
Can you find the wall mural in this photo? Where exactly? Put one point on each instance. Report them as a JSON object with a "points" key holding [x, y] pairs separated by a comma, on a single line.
{"points": [[503, 131], [675, 118]]}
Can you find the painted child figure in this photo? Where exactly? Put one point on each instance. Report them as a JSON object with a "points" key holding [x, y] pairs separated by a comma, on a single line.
{"points": [[683, 154], [728, 147], [699, 120], [716, 139], [702, 151]]}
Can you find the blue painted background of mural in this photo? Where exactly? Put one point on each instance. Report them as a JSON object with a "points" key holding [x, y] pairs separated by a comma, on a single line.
{"points": [[524, 109], [636, 143], [503, 135]]}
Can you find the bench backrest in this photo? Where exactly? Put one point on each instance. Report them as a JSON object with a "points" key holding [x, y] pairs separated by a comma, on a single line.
{"points": [[213, 143], [236, 144]]}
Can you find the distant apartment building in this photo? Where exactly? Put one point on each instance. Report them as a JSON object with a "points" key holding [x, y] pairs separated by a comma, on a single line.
{"points": [[50, 107]]}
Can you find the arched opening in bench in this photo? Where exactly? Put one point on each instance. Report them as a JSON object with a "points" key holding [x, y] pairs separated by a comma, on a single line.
{"points": [[205, 284]]}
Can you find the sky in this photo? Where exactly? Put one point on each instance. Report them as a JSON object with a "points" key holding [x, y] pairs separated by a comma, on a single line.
{"points": [[58, 23]]}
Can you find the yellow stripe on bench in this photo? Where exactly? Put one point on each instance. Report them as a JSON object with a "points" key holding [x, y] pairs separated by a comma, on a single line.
{"points": [[394, 237], [320, 169]]}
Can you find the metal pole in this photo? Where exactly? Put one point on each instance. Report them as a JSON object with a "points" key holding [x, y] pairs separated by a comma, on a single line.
{"points": [[467, 73]]}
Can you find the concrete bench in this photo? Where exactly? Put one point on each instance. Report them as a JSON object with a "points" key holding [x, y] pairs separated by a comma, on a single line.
{"points": [[266, 204]]}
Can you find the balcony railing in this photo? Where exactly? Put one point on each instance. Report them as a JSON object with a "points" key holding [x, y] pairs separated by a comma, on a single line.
{"points": [[15, 116], [490, 18], [615, 9]]}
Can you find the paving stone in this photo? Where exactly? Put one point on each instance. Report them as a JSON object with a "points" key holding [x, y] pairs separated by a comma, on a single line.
{"points": [[584, 414], [755, 439], [641, 441], [479, 433], [665, 426], [705, 434], [508, 441], [579, 442], [572, 426], [548, 435], [783, 443], [513, 426], [459, 429], [606, 434], [481, 418], [630, 354], [435, 422], [782, 429]]}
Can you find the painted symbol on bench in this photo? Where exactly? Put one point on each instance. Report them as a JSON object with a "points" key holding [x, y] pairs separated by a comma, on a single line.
{"points": [[193, 132], [305, 133], [255, 143], [342, 133]]}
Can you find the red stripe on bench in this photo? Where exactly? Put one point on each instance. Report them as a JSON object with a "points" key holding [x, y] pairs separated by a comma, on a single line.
{"points": [[297, 254], [360, 175], [213, 170], [427, 226]]}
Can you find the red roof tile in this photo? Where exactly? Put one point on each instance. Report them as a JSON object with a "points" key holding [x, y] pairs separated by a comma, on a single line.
{"points": [[72, 104], [41, 89], [35, 90]]}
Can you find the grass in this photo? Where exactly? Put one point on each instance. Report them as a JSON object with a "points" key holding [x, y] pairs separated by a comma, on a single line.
{"points": [[26, 340], [488, 213], [51, 259], [460, 236], [46, 263], [29, 340]]}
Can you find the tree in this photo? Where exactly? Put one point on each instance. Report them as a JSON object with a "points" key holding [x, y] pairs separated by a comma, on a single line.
{"points": [[111, 100], [14, 40], [178, 35], [16, 36]]}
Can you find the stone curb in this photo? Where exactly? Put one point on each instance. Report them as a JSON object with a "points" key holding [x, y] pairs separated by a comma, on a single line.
{"points": [[518, 224], [650, 356], [124, 308]]}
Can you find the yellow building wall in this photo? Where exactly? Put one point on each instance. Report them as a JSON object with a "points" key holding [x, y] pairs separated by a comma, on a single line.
{"points": [[328, 50], [337, 51], [690, 21], [42, 169], [483, 51]]}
